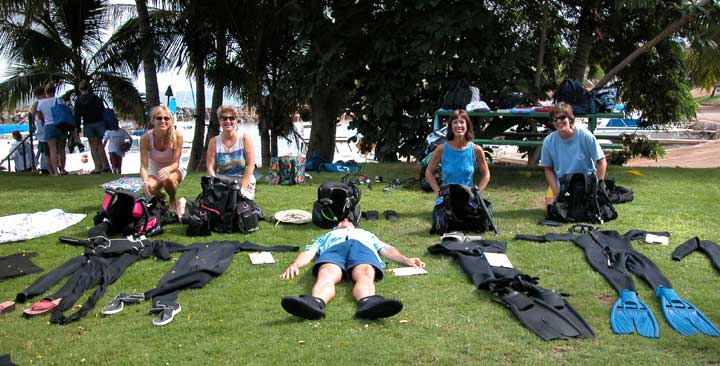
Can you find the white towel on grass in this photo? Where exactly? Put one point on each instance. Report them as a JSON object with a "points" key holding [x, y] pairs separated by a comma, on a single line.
{"points": [[29, 226]]}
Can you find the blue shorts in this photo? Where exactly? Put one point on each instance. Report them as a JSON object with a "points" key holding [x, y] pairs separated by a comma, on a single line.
{"points": [[52, 132], [349, 255], [94, 130]]}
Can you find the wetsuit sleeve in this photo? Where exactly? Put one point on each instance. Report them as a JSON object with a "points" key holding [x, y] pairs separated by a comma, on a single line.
{"points": [[686, 248], [545, 238]]}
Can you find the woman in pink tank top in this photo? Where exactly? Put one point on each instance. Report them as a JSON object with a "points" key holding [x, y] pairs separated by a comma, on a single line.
{"points": [[160, 150]]}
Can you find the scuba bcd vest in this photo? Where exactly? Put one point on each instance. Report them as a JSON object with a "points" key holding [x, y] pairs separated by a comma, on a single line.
{"points": [[336, 202], [129, 213], [582, 198], [462, 210]]}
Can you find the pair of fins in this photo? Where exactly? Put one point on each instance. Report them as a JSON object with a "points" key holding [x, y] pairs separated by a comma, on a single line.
{"points": [[629, 314], [546, 313]]}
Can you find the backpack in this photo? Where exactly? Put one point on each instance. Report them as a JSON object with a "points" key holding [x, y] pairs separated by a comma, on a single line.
{"points": [[575, 94], [127, 142], [618, 194], [458, 95], [336, 202], [604, 99], [220, 207], [582, 199], [461, 210], [129, 213]]}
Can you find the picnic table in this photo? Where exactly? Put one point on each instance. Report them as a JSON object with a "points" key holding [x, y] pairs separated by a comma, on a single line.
{"points": [[500, 122]]}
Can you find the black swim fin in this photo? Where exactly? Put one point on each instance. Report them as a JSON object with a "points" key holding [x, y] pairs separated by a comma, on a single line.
{"points": [[555, 299], [550, 319]]}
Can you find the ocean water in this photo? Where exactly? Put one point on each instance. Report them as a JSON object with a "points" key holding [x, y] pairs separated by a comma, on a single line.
{"points": [[185, 99]]}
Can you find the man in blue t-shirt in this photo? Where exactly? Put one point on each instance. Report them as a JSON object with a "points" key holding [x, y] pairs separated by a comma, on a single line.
{"points": [[345, 252], [569, 150]]}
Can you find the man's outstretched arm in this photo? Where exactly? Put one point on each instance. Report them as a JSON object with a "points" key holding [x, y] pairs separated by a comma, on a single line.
{"points": [[394, 255], [302, 259]]}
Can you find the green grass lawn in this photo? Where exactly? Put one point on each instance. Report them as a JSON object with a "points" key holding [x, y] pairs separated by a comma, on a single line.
{"points": [[709, 100], [237, 319]]}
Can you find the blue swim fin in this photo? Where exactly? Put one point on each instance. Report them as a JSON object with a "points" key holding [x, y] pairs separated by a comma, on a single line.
{"points": [[629, 314], [683, 316]]}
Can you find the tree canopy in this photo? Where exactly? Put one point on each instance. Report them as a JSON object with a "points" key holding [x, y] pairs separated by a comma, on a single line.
{"points": [[389, 63]]}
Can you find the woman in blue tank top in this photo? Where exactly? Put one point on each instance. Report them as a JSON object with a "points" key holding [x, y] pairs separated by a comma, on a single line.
{"points": [[458, 156]]}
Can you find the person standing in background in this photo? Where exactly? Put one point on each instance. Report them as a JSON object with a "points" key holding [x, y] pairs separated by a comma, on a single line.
{"points": [[89, 109], [35, 126], [56, 137]]}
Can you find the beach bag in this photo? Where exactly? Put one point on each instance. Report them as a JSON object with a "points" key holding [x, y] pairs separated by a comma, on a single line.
{"points": [[336, 202], [109, 117], [62, 116], [130, 213], [582, 198], [286, 170], [458, 95], [460, 210], [571, 91]]}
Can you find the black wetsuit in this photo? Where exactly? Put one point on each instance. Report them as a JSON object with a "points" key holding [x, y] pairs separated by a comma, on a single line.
{"points": [[542, 311], [103, 262], [711, 249], [612, 255], [199, 264]]}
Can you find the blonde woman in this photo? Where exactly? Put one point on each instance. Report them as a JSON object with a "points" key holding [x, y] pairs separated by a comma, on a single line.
{"points": [[160, 150], [232, 153]]}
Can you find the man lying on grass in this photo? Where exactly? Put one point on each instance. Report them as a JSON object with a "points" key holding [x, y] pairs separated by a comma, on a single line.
{"points": [[345, 252]]}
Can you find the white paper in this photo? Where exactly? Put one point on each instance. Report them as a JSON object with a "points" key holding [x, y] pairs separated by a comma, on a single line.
{"points": [[261, 258], [498, 260], [408, 271], [657, 239]]}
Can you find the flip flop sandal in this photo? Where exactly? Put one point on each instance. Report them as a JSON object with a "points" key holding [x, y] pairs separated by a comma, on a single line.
{"points": [[41, 307], [391, 215], [371, 215], [6, 307]]}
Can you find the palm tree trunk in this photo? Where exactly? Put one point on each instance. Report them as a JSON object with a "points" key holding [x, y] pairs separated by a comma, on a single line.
{"points": [[585, 39], [152, 94], [540, 60], [198, 143], [219, 85]]}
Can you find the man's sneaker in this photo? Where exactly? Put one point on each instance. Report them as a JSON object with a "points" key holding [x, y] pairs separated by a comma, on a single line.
{"points": [[166, 313], [117, 304], [304, 306], [376, 306]]}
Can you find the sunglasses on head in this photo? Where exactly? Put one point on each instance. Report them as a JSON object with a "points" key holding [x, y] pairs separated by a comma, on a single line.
{"points": [[558, 117], [228, 118], [161, 118]]}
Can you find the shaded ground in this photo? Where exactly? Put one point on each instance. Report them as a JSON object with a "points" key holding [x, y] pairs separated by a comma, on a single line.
{"points": [[706, 155]]}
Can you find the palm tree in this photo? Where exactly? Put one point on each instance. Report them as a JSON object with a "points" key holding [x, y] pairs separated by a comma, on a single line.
{"points": [[61, 43]]}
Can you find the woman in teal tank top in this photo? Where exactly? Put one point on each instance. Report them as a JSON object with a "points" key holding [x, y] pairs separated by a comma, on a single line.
{"points": [[231, 153], [459, 156]]}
